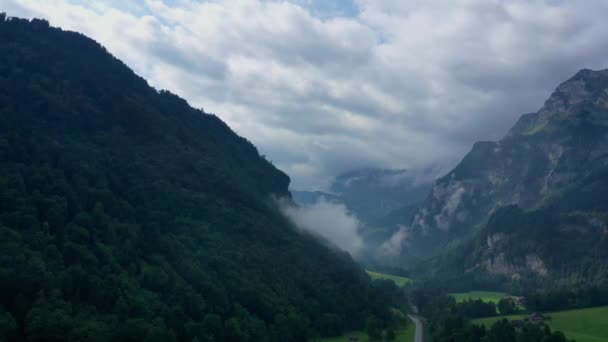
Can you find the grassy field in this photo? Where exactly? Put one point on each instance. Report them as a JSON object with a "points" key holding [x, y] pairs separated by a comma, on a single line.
{"points": [[486, 296], [345, 338], [583, 325], [400, 281], [402, 335]]}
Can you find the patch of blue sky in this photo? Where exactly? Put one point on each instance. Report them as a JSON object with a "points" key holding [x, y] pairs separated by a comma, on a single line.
{"points": [[324, 9], [137, 7], [327, 9]]}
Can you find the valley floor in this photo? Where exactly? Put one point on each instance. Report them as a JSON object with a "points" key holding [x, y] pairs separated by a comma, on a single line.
{"points": [[406, 334], [399, 281], [486, 296], [583, 325]]}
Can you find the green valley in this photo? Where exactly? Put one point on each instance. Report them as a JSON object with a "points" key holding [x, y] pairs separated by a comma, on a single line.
{"points": [[337, 196], [403, 334], [486, 296], [583, 325], [399, 281]]}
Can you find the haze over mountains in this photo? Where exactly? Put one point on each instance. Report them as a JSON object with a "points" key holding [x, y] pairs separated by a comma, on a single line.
{"points": [[128, 215], [374, 194], [378, 200], [514, 212], [531, 206]]}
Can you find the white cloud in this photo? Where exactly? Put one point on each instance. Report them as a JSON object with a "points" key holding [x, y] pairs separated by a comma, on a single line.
{"points": [[393, 246], [398, 84], [331, 221]]}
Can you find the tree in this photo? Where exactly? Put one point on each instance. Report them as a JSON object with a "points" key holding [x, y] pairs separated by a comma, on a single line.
{"points": [[507, 306], [373, 328], [556, 336], [501, 331], [8, 326]]}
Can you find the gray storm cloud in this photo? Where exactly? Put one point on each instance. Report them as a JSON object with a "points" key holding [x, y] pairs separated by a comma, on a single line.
{"points": [[329, 220], [325, 88]]}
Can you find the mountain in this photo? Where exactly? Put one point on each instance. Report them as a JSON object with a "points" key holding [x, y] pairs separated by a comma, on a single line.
{"points": [[373, 194], [527, 251], [306, 198], [532, 206], [127, 215], [380, 199]]}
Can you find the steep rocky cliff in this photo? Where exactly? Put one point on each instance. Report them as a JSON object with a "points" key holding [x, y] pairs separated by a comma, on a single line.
{"points": [[542, 157]]}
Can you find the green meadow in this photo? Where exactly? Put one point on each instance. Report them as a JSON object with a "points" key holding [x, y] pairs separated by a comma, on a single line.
{"points": [[486, 296], [405, 334], [400, 281], [583, 325]]}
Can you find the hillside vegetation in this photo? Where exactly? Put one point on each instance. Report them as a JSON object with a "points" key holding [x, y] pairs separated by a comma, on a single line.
{"points": [[449, 320], [399, 281], [486, 296], [127, 215], [583, 325]]}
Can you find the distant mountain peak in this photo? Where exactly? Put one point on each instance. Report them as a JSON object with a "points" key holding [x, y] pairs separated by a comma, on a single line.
{"points": [[574, 98], [585, 85], [381, 177]]}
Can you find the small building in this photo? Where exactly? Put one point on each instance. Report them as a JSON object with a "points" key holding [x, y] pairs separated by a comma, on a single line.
{"points": [[517, 300], [536, 318]]}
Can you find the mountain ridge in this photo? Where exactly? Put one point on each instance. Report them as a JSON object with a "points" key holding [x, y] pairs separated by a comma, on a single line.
{"points": [[128, 215], [547, 174]]}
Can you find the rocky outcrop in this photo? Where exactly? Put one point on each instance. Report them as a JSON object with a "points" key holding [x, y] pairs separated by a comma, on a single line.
{"points": [[543, 154]]}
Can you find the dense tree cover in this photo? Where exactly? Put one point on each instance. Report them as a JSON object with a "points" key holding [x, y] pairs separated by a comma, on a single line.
{"points": [[424, 296], [378, 329], [447, 322], [506, 306], [571, 243], [476, 308], [127, 215], [563, 299]]}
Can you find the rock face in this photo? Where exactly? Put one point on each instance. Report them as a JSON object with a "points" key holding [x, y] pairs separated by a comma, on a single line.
{"points": [[496, 262], [374, 194], [563, 244], [542, 156]]}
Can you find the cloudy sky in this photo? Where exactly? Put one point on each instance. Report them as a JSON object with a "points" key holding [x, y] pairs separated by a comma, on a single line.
{"points": [[324, 86]]}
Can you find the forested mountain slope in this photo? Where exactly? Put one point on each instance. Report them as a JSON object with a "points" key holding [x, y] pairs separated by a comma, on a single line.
{"points": [[127, 215]]}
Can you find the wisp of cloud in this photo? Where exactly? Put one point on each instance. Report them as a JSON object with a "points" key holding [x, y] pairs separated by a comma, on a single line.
{"points": [[331, 221], [392, 247]]}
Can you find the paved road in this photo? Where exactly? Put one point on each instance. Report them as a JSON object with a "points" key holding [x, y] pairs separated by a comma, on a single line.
{"points": [[419, 329]]}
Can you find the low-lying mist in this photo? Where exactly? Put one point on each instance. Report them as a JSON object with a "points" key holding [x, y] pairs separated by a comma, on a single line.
{"points": [[331, 221], [392, 246]]}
